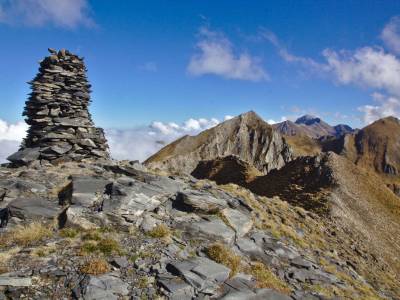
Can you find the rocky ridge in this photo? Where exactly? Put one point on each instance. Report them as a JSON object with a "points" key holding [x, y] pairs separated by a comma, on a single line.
{"points": [[115, 230], [57, 112], [246, 136]]}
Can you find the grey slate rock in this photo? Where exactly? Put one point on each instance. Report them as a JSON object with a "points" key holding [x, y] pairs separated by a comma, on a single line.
{"points": [[240, 222], [34, 208], [15, 281], [213, 228], [120, 262], [196, 201], [106, 286], [177, 288], [87, 190], [25, 156]]}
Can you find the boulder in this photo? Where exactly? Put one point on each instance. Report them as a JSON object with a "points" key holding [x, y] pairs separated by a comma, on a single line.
{"points": [[197, 201], [25, 156], [34, 209]]}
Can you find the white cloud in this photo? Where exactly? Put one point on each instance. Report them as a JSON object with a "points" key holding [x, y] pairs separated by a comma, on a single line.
{"points": [[369, 67], [385, 106], [62, 13], [216, 56], [272, 121], [12, 132], [391, 34], [11, 136], [287, 56]]}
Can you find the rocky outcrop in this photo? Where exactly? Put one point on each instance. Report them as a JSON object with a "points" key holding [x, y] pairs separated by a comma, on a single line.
{"points": [[228, 169], [61, 127], [246, 136], [123, 232], [374, 147]]}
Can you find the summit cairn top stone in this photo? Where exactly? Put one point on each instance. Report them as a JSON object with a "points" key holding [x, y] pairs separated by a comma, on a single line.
{"points": [[61, 127]]}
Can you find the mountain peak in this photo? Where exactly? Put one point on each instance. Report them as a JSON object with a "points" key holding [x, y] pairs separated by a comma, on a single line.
{"points": [[250, 115], [247, 136], [308, 120]]}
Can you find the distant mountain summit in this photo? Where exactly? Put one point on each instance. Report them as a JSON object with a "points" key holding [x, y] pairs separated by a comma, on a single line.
{"points": [[308, 120], [311, 126], [247, 136]]}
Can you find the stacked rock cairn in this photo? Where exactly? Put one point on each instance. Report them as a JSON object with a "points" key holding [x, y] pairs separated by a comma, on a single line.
{"points": [[61, 127]]}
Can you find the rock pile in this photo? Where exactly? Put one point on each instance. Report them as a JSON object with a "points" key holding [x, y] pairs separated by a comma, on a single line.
{"points": [[61, 127]]}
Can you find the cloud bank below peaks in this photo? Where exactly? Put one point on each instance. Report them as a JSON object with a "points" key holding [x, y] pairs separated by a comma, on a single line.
{"points": [[141, 142]]}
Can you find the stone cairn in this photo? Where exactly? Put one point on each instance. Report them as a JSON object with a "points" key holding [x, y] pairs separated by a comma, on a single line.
{"points": [[61, 128]]}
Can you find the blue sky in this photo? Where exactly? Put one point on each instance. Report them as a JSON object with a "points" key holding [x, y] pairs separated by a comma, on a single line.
{"points": [[169, 61]]}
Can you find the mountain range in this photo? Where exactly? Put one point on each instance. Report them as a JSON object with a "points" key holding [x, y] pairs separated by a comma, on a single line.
{"points": [[244, 210], [349, 177], [311, 126]]}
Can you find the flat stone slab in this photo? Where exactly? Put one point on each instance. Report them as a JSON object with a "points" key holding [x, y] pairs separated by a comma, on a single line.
{"points": [[104, 287], [202, 273], [87, 190], [15, 281], [214, 228], [34, 208], [210, 270], [19, 185], [25, 156], [196, 201], [132, 200], [177, 288], [239, 221]]}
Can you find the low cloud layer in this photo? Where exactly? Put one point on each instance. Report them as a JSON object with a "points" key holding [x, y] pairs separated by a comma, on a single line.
{"points": [[215, 55], [133, 144], [60, 13], [141, 142], [11, 136]]}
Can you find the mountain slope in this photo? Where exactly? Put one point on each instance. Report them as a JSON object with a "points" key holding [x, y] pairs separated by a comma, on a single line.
{"points": [[246, 136], [375, 147], [355, 199]]}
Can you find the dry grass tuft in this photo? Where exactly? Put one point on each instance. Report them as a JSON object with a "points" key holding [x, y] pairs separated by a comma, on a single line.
{"points": [[5, 256], [44, 251], [266, 278], [160, 231], [221, 254], [95, 266], [105, 246], [28, 235], [69, 233], [92, 236]]}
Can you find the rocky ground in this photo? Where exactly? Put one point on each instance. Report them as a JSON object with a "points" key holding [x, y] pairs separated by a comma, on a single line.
{"points": [[115, 230]]}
